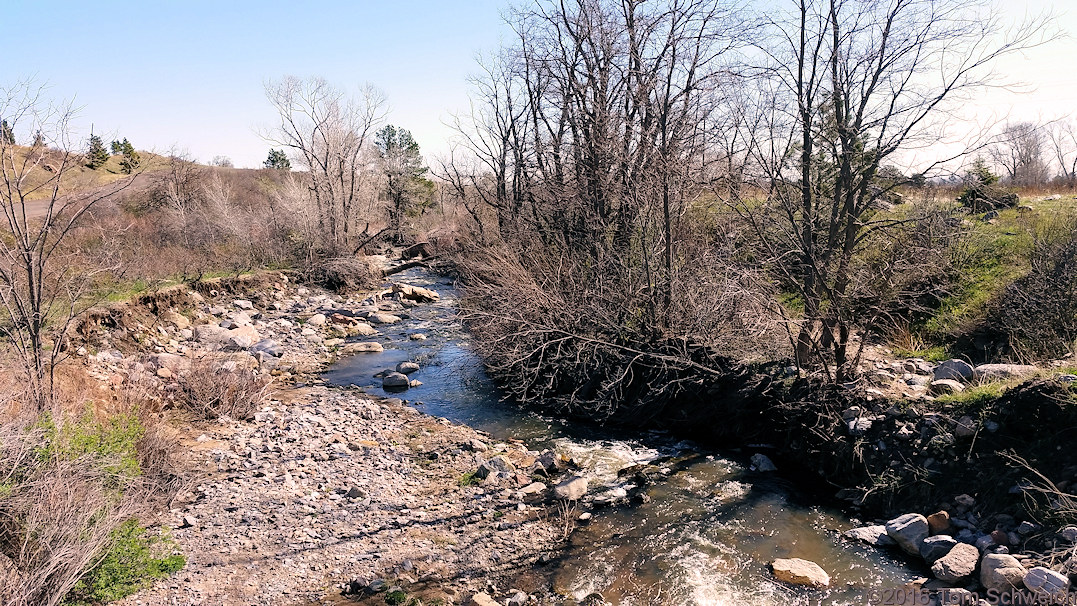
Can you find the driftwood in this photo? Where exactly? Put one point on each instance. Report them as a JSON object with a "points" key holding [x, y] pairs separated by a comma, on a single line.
{"points": [[369, 239], [406, 266]]}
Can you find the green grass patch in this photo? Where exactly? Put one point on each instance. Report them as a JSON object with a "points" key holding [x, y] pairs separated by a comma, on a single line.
{"points": [[135, 560], [113, 443], [792, 302], [975, 396], [467, 479], [937, 353]]}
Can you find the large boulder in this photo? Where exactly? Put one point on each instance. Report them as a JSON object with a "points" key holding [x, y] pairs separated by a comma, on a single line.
{"points": [[496, 464], [362, 329], [958, 370], [800, 572], [1001, 572], [416, 293], [551, 462], [1004, 371], [571, 489], [367, 347], [936, 547], [210, 334], [958, 563], [241, 337], [942, 387], [762, 462], [395, 380], [482, 599], [908, 531], [939, 522], [407, 367], [176, 319], [172, 362], [382, 318], [872, 535], [236, 320], [268, 347], [1044, 581]]}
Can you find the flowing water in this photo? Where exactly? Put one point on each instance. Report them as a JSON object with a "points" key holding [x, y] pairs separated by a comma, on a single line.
{"points": [[708, 530]]}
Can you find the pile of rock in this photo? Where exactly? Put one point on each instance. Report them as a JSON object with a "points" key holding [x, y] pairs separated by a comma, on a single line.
{"points": [[963, 557], [517, 469]]}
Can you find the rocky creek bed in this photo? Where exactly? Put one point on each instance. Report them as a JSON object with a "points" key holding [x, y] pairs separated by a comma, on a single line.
{"points": [[330, 490], [324, 490]]}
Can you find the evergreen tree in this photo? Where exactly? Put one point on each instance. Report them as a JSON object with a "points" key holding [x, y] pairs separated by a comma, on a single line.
{"points": [[407, 190], [278, 160], [39, 139], [117, 147], [97, 155], [7, 136], [131, 160]]}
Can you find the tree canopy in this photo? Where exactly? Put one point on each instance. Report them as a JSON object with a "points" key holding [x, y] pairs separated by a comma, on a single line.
{"points": [[278, 160]]}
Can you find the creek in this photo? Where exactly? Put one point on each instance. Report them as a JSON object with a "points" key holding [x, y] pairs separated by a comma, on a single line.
{"points": [[707, 531]]}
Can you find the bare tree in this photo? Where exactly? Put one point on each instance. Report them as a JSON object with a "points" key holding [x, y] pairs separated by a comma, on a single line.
{"points": [[222, 161], [1020, 151], [42, 288], [490, 165], [844, 86], [328, 135], [179, 189], [1063, 140]]}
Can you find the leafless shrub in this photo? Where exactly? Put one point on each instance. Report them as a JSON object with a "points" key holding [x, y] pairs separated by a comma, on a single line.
{"points": [[56, 516], [565, 514], [581, 334], [344, 274], [216, 387], [159, 459], [1044, 500]]}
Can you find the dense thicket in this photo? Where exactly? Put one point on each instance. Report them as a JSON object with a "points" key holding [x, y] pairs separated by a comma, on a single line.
{"points": [[665, 178]]}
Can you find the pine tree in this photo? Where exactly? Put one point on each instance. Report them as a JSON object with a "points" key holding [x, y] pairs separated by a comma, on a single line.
{"points": [[7, 136], [407, 190], [39, 139], [278, 160], [131, 160], [97, 155], [116, 147]]}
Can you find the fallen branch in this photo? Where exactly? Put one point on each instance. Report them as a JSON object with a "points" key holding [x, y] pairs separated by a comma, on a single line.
{"points": [[406, 266]]}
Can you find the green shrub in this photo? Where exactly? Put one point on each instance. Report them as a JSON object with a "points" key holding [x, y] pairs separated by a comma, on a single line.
{"points": [[133, 561]]}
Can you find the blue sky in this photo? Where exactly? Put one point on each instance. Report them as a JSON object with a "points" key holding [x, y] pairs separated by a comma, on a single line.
{"points": [[190, 73]]}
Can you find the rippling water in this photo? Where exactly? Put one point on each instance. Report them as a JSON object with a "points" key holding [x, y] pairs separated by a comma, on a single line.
{"points": [[705, 535]]}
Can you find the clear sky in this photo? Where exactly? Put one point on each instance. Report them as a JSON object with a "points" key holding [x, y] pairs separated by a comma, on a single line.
{"points": [[190, 73]]}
